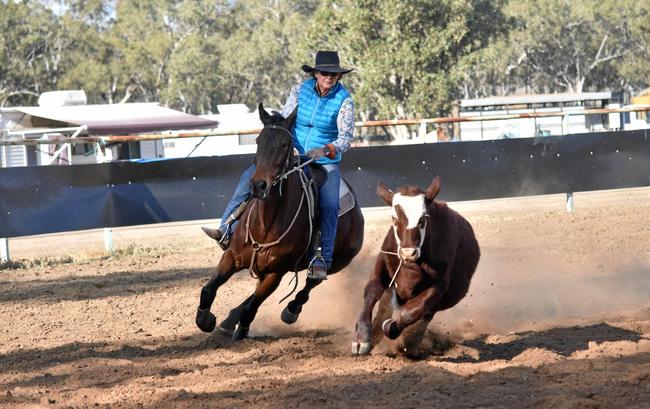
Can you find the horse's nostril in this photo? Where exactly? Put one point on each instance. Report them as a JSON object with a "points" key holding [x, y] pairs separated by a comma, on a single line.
{"points": [[258, 188]]}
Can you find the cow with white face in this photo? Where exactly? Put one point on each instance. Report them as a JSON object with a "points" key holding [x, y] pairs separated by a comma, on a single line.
{"points": [[426, 262], [409, 213]]}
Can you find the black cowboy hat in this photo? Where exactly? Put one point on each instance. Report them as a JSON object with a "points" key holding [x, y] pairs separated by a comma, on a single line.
{"points": [[327, 61]]}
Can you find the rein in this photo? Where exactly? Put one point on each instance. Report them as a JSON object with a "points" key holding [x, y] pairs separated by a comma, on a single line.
{"points": [[304, 181], [399, 246]]}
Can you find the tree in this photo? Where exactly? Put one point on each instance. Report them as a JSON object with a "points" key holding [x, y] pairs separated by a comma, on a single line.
{"points": [[562, 46], [405, 51], [31, 52]]}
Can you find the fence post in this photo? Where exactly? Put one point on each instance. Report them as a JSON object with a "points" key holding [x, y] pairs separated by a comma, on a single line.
{"points": [[569, 202], [108, 240], [4, 250]]}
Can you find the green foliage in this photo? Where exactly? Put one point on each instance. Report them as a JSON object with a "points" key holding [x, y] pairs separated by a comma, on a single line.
{"points": [[560, 46], [413, 57], [30, 52], [405, 51]]}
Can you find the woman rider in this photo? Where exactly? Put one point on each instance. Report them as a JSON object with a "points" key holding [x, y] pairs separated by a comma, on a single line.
{"points": [[324, 130]]}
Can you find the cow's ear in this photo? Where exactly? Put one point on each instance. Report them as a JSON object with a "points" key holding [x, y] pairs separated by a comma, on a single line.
{"points": [[433, 189], [385, 193]]}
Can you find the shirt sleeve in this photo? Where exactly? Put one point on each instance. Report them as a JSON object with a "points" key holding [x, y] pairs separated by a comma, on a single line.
{"points": [[345, 123], [292, 100]]}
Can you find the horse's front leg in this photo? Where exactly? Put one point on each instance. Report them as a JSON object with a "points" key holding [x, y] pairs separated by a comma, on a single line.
{"points": [[264, 288], [294, 308], [371, 294], [422, 306], [206, 320]]}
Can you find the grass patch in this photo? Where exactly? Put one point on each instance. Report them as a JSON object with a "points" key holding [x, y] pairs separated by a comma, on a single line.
{"points": [[132, 250], [38, 262]]}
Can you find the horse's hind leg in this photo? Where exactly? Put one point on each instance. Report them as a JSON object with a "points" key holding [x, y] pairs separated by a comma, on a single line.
{"points": [[294, 308], [264, 288], [205, 320]]}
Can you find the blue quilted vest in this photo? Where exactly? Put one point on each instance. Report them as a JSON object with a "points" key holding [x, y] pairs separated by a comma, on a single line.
{"points": [[316, 121]]}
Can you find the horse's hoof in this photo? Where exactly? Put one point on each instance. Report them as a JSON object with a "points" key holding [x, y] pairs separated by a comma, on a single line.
{"points": [[361, 348], [390, 329], [240, 333], [288, 317], [205, 320], [225, 331]]}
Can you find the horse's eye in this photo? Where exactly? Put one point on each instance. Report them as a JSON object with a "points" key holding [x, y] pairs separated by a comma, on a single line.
{"points": [[284, 145], [421, 222], [394, 220]]}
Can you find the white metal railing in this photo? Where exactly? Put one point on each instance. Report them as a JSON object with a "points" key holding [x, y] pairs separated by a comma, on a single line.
{"points": [[17, 137]]}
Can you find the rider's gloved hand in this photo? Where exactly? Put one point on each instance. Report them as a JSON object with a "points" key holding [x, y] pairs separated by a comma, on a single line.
{"points": [[318, 153]]}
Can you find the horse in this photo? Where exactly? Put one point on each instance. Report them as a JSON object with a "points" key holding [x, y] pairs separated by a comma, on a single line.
{"points": [[426, 263], [274, 232]]}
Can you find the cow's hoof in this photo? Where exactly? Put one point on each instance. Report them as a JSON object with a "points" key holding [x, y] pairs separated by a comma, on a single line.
{"points": [[288, 317], [390, 329], [240, 333], [205, 320], [361, 348]]}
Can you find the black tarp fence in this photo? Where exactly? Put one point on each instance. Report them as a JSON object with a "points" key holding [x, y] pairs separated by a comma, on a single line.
{"points": [[49, 199]]}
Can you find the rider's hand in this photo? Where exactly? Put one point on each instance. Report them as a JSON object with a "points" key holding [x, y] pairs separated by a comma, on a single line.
{"points": [[318, 153]]}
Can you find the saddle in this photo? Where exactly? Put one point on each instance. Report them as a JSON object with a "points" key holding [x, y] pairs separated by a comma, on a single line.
{"points": [[318, 176]]}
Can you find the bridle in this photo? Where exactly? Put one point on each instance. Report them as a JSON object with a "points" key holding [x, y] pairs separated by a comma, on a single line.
{"points": [[282, 175], [399, 247], [287, 161]]}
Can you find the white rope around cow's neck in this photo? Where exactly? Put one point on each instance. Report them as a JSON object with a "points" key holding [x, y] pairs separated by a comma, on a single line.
{"points": [[398, 266], [399, 246]]}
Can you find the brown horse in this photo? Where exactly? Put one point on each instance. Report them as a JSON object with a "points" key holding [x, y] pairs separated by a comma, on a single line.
{"points": [[273, 234], [426, 262]]}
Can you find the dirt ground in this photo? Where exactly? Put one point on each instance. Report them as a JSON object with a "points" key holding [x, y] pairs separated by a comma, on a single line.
{"points": [[558, 316]]}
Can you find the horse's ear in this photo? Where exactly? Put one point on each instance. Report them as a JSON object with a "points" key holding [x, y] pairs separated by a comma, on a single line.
{"points": [[291, 119], [264, 116], [433, 189], [385, 193]]}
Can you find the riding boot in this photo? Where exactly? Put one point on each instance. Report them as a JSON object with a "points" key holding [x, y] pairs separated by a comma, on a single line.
{"points": [[223, 234]]}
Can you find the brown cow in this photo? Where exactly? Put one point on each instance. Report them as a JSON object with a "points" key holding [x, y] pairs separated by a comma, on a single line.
{"points": [[426, 261]]}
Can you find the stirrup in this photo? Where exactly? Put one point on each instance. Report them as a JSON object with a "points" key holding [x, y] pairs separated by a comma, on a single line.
{"points": [[319, 273], [221, 237], [224, 241]]}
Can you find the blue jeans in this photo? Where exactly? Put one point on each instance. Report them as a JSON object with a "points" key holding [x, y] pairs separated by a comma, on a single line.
{"points": [[328, 201], [242, 193]]}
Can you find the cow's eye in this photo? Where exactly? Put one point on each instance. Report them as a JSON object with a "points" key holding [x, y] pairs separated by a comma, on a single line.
{"points": [[394, 220]]}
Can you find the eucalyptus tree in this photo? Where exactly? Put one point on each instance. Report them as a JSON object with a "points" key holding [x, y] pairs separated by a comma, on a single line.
{"points": [[258, 59], [31, 51], [565, 46], [406, 52]]}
